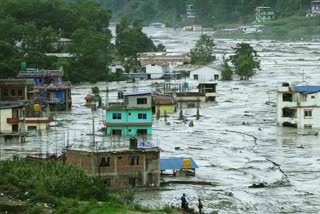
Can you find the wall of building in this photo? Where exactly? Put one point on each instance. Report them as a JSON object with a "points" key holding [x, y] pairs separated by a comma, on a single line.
{"points": [[120, 168], [168, 108], [205, 74], [156, 71], [4, 114], [132, 101], [129, 130]]}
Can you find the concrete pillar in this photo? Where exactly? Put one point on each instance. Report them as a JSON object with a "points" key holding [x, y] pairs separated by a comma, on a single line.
{"points": [[144, 170]]}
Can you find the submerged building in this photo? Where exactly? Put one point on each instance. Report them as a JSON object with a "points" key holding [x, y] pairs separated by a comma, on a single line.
{"points": [[51, 89], [138, 165], [29, 114], [264, 14], [132, 116], [298, 106]]}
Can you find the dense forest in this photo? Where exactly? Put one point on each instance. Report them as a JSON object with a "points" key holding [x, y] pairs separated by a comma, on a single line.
{"points": [[208, 12]]}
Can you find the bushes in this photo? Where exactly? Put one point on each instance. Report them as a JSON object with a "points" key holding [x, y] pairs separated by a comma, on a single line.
{"points": [[46, 178]]}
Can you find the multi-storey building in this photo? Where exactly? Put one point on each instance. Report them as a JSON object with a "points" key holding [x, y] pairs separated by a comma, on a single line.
{"points": [[298, 106], [264, 14], [52, 90], [131, 117]]}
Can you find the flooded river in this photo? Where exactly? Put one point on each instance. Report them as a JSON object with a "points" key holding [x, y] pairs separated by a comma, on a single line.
{"points": [[236, 142]]}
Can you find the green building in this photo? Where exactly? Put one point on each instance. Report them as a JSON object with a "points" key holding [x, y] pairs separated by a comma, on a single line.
{"points": [[131, 117]]}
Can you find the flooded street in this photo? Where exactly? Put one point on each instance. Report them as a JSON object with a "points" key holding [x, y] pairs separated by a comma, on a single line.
{"points": [[236, 142]]}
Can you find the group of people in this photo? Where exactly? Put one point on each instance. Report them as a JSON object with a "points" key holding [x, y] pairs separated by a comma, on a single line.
{"points": [[185, 204]]}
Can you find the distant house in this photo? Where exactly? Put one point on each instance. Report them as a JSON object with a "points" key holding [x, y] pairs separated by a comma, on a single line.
{"points": [[171, 58], [163, 103], [205, 74], [116, 67], [315, 9], [264, 14], [298, 106], [131, 117], [190, 13], [156, 70], [134, 166]]}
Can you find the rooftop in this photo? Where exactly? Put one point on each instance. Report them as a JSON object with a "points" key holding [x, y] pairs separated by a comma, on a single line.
{"points": [[10, 104], [133, 93], [175, 163], [307, 89]]}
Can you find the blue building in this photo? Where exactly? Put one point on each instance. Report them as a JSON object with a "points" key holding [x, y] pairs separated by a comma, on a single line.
{"points": [[50, 88]]}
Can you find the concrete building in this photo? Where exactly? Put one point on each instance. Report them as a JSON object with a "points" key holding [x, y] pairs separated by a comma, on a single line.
{"points": [[298, 106], [163, 103], [156, 70], [137, 166], [205, 74], [264, 14], [171, 58], [35, 117], [131, 117], [315, 9], [11, 127], [52, 90], [116, 67]]}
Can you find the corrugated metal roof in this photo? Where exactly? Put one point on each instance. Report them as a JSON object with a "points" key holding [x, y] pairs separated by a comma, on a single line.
{"points": [[307, 89], [131, 93], [175, 163]]}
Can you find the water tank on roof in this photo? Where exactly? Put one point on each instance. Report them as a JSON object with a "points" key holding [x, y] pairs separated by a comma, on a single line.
{"points": [[23, 66], [133, 143]]}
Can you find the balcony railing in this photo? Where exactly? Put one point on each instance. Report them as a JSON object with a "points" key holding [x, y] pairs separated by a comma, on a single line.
{"points": [[12, 120]]}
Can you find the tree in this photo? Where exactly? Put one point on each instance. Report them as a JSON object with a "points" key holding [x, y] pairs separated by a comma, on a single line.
{"points": [[245, 61], [226, 73], [202, 53]]}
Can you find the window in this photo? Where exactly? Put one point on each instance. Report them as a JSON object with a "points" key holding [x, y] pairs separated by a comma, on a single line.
{"points": [[287, 97], [142, 116], [31, 128], [312, 97], [307, 126], [134, 160], [195, 76], [142, 101], [117, 132], [142, 132], [307, 113], [116, 116], [5, 92], [13, 92], [19, 92], [104, 162], [216, 77]]}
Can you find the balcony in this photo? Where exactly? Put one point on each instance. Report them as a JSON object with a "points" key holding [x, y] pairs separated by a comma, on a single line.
{"points": [[13, 120]]}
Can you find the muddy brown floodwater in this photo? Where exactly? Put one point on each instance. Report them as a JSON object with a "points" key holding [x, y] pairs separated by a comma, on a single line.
{"points": [[236, 142]]}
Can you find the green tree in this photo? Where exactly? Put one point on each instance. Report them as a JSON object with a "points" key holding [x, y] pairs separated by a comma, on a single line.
{"points": [[245, 61], [226, 73], [202, 53]]}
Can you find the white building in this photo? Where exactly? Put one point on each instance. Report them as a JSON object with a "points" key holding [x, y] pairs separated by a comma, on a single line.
{"points": [[116, 67], [156, 70], [205, 74], [298, 106]]}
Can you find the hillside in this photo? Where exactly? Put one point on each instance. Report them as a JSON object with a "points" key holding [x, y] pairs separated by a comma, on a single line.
{"points": [[209, 12]]}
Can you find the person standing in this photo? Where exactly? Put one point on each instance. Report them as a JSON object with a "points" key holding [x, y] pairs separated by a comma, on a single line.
{"points": [[184, 202], [200, 205]]}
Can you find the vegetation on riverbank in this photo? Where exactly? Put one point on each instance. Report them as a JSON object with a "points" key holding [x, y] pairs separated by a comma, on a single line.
{"points": [[43, 186]]}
